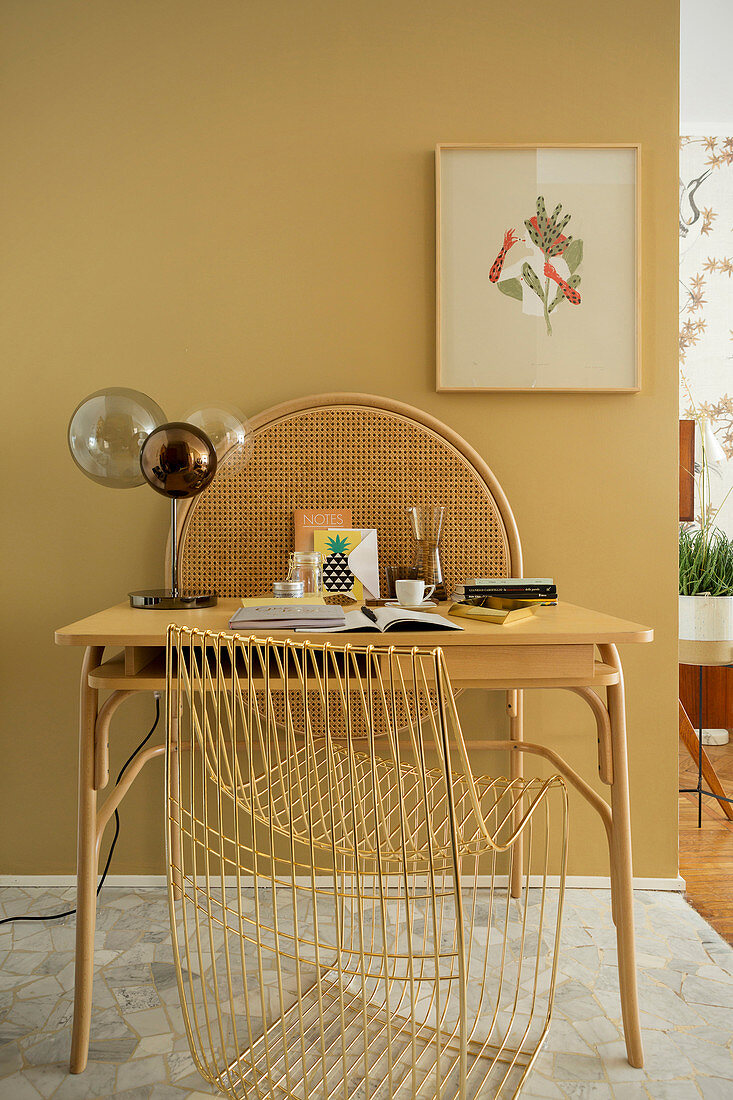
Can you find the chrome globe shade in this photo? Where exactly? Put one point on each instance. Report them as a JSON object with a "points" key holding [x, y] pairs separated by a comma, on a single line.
{"points": [[178, 460]]}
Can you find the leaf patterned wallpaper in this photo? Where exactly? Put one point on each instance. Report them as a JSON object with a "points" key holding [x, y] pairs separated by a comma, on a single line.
{"points": [[706, 299]]}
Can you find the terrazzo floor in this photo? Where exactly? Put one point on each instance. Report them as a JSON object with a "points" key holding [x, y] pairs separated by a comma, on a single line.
{"points": [[139, 1052]]}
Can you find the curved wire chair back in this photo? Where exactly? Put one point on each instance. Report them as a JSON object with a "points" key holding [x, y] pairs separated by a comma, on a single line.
{"points": [[340, 916]]}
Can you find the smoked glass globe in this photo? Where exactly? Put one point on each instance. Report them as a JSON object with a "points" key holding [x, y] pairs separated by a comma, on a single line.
{"points": [[178, 460], [106, 434], [225, 425]]}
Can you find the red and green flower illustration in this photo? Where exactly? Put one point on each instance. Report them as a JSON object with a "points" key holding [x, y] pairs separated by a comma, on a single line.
{"points": [[556, 255]]}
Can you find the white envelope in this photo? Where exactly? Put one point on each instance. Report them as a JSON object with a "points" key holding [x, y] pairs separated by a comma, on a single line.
{"points": [[364, 562]]}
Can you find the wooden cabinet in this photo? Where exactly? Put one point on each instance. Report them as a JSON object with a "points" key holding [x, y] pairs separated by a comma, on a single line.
{"points": [[687, 470], [717, 696]]}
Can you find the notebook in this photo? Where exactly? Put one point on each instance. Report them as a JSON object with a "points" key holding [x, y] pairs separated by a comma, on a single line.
{"points": [[290, 616], [306, 520]]}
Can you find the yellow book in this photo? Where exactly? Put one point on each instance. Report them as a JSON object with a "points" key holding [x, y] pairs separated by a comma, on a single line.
{"points": [[492, 615], [506, 603]]}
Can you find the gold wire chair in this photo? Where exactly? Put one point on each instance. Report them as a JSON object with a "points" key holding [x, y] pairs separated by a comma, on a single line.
{"points": [[340, 911]]}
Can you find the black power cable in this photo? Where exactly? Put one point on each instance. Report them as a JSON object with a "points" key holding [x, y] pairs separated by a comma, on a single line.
{"points": [[123, 769]]}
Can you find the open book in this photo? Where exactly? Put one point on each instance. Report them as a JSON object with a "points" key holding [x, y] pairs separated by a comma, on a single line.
{"points": [[386, 620]]}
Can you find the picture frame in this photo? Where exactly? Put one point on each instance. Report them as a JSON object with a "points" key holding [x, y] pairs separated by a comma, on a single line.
{"points": [[538, 267]]}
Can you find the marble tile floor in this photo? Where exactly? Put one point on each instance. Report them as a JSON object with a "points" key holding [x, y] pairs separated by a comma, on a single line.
{"points": [[139, 1051]]}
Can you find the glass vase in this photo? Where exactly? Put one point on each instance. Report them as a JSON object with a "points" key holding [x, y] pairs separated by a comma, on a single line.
{"points": [[427, 524]]}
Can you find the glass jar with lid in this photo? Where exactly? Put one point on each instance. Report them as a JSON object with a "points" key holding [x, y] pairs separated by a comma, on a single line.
{"points": [[307, 566]]}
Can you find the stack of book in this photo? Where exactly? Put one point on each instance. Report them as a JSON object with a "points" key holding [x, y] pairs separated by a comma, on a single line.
{"points": [[502, 600]]}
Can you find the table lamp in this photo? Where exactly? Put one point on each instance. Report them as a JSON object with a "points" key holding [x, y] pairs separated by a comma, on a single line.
{"points": [[119, 437], [178, 460]]}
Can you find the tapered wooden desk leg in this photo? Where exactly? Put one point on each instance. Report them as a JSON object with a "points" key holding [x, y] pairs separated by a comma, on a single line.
{"points": [[515, 707], [86, 866], [621, 870]]}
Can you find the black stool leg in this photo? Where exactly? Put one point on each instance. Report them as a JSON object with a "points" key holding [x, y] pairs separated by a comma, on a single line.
{"points": [[699, 757]]}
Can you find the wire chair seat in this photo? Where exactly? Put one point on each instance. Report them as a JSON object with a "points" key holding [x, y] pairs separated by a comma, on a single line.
{"points": [[334, 824], [340, 911]]}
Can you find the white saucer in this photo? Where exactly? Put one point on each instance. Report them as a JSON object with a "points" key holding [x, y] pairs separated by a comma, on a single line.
{"points": [[410, 607]]}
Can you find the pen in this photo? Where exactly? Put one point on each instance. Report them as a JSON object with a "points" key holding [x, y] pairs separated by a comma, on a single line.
{"points": [[369, 614]]}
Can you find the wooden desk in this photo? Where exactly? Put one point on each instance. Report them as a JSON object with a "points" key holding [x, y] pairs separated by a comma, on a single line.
{"points": [[560, 647]]}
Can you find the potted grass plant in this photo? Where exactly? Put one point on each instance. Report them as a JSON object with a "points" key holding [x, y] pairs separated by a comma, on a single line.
{"points": [[706, 585], [706, 566], [706, 605]]}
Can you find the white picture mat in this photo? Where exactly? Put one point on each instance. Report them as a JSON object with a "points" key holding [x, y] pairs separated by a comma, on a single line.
{"points": [[490, 341]]}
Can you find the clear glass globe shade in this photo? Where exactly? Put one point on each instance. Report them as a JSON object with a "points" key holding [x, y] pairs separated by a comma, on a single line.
{"points": [[106, 435], [225, 425]]}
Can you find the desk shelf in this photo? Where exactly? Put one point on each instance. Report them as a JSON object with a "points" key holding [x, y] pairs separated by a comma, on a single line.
{"points": [[111, 675]]}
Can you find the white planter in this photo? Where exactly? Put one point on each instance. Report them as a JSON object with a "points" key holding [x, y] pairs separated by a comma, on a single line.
{"points": [[706, 630], [706, 618]]}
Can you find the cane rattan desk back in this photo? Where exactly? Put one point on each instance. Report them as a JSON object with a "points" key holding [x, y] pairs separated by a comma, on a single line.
{"points": [[369, 454]]}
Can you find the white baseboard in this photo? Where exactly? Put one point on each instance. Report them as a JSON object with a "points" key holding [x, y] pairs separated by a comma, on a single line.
{"points": [[573, 882]]}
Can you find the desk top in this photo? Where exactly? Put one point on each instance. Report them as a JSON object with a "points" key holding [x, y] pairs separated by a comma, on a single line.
{"points": [[564, 624]]}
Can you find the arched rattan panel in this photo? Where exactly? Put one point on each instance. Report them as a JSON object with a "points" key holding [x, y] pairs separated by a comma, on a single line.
{"points": [[370, 454]]}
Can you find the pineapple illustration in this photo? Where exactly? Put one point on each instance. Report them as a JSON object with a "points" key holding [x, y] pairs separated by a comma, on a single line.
{"points": [[337, 577]]}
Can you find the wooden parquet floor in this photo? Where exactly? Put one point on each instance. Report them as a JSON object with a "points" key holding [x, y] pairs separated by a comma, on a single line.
{"points": [[706, 854]]}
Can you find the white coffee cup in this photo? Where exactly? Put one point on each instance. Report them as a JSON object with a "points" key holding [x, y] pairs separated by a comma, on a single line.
{"points": [[413, 593]]}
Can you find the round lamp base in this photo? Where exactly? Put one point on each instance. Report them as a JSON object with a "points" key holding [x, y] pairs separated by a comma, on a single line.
{"points": [[163, 599]]}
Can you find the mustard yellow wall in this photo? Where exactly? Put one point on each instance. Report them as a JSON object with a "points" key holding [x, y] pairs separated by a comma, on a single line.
{"points": [[234, 199]]}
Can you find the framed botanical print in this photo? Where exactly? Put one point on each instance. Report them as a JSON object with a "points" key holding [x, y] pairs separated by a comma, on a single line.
{"points": [[538, 268]]}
